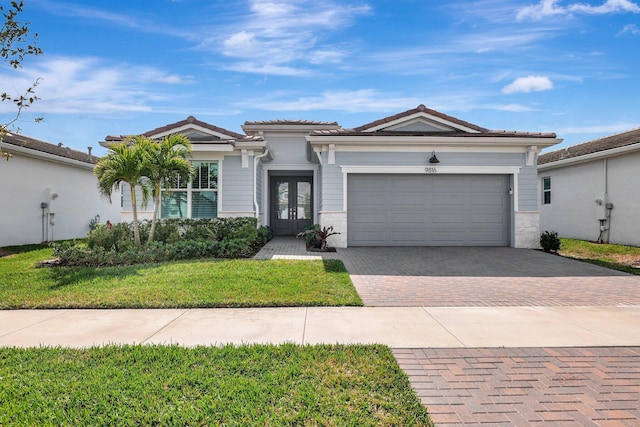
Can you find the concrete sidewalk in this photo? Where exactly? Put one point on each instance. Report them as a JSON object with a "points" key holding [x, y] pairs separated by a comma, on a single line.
{"points": [[405, 327]]}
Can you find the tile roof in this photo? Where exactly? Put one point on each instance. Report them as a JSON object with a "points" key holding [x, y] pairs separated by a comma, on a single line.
{"points": [[419, 109], [289, 122], [623, 139], [45, 147], [187, 121]]}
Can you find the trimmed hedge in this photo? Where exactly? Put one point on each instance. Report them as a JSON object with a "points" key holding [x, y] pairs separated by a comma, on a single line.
{"points": [[175, 239]]}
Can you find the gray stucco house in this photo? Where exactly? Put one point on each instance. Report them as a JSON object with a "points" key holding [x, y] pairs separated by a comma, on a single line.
{"points": [[417, 178], [591, 191]]}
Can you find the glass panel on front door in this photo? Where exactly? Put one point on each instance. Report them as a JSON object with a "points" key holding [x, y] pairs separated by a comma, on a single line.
{"points": [[303, 209], [282, 200]]}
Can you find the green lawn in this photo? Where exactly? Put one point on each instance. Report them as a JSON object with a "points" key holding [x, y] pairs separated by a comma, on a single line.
{"points": [[236, 386], [617, 257], [202, 283]]}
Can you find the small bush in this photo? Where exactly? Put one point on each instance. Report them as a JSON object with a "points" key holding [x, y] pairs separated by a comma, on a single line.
{"points": [[549, 241], [118, 238]]}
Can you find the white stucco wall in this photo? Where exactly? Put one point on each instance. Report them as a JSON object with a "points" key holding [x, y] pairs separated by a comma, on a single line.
{"points": [[574, 189], [26, 182]]}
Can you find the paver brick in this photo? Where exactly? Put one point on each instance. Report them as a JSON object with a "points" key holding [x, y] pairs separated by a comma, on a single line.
{"points": [[590, 400]]}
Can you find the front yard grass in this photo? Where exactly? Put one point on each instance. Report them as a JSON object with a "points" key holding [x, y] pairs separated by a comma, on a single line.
{"points": [[357, 385], [617, 257], [201, 283]]}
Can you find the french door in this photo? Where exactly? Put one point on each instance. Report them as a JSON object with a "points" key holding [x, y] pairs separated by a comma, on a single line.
{"points": [[291, 204]]}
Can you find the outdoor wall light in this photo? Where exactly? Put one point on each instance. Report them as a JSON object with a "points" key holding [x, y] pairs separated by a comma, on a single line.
{"points": [[433, 158]]}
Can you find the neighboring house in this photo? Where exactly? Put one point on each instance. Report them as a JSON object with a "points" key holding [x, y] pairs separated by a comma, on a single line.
{"points": [[49, 192], [591, 191], [418, 178]]}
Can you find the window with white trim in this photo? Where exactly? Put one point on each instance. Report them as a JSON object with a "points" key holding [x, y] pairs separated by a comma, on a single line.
{"points": [[199, 199], [546, 190]]}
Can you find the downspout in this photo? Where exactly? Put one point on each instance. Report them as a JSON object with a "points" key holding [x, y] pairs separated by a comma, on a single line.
{"points": [[255, 183], [608, 206]]}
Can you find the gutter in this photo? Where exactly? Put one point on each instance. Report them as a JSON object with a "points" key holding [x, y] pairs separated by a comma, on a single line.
{"points": [[256, 160]]}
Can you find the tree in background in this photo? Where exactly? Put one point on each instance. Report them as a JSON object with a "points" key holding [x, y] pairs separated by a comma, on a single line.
{"points": [[16, 43], [127, 162]]}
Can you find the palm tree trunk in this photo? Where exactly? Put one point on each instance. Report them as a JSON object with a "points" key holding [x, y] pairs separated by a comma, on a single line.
{"points": [[156, 205], [136, 230]]}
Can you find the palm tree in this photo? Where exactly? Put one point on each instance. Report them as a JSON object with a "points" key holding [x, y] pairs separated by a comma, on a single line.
{"points": [[126, 163], [167, 161]]}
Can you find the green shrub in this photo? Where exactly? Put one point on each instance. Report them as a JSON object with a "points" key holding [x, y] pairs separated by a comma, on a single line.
{"points": [[117, 238], [549, 241], [175, 239]]}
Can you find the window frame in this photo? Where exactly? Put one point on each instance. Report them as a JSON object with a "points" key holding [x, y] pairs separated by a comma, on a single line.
{"points": [[546, 190], [193, 187]]}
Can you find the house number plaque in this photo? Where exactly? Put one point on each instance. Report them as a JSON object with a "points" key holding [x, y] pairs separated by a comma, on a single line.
{"points": [[431, 169]]}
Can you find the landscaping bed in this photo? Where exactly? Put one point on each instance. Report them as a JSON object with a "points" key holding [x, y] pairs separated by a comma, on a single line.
{"points": [[169, 385]]}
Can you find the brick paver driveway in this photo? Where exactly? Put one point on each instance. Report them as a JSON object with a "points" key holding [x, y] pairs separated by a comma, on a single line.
{"points": [[484, 277], [506, 386], [595, 386]]}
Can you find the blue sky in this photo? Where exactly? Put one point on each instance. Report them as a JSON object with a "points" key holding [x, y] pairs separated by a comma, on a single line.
{"points": [[125, 67]]}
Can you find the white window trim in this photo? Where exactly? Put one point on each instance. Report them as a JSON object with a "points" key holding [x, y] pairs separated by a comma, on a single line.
{"points": [[190, 190], [546, 191]]}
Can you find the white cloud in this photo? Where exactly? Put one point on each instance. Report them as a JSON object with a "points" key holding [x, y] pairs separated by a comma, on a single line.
{"points": [[528, 84], [547, 8], [513, 108], [358, 101], [91, 86], [610, 6], [283, 36], [630, 29], [541, 10], [267, 69], [98, 16]]}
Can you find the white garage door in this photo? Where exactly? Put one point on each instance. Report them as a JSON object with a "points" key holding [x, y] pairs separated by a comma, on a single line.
{"points": [[428, 210]]}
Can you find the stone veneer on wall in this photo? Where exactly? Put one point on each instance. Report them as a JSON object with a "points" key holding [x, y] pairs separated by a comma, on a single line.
{"points": [[527, 230], [337, 220]]}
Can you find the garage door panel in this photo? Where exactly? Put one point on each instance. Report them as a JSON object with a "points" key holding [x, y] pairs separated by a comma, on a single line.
{"points": [[449, 238], [447, 183], [428, 210], [372, 184], [414, 184], [450, 200], [487, 184], [408, 236], [438, 219], [487, 199], [403, 219], [404, 201], [486, 239]]}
